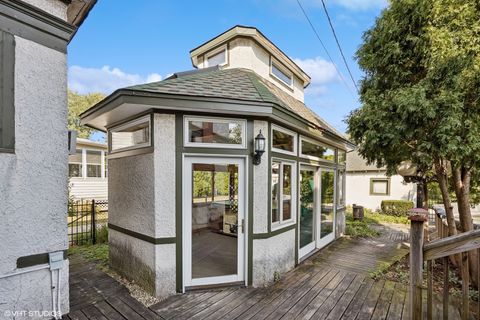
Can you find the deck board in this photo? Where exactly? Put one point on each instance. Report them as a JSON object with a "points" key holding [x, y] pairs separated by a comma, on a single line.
{"points": [[332, 284]]}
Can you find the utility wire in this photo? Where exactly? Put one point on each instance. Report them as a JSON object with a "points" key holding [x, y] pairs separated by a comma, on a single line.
{"points": [[324, 48], [338, 44]]}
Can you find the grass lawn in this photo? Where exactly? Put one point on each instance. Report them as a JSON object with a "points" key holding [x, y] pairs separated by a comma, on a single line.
{"points": [[97, 253], [363, 229]]}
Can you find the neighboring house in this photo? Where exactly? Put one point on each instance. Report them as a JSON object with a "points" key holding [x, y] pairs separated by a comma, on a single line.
{"points": [[33, 154], [190, 205], [368, 185], [87, 170]]}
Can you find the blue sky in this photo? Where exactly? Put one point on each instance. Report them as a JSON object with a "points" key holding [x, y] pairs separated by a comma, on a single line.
{"points": [[128, 42]]}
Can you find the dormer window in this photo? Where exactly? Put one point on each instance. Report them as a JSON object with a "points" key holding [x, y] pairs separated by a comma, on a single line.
{"points": [[281, 73], [217, 57]]}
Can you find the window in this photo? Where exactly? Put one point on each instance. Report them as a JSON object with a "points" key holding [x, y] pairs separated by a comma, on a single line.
{"points": [[342, 157], [215, 132], [341, 188], [7, 108], [75, 164], [283, 191], [284, 141], [315, 150], [380, 186], [218, 57], [94, 164], [281, 73], [132, 135]]}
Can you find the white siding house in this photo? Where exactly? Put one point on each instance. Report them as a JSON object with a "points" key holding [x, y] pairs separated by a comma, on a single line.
{"points": [[87, 171], [368, 185]]}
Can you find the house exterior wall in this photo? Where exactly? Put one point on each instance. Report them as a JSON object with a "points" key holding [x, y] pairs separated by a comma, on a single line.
{"points": [[358, 189], [246, 53], [271, 256], [260, 183], [142, 200], [33, 180]]}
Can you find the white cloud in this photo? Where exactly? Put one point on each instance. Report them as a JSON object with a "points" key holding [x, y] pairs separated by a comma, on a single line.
{"points": [[321, 71], [361, 5], [104, 79]]}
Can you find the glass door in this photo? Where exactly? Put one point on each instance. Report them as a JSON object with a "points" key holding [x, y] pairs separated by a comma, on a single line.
{"points": [[213, 221], [308, 210], [327, 206]]}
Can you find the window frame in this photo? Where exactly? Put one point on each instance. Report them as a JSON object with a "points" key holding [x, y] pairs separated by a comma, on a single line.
{"points": [[214, 52], [187, 143], [146, 118], [373, 180], [293, 186], [280, 67], [312, 141], [286, 131]]}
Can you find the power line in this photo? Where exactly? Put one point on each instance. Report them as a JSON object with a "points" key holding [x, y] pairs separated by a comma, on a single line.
{"points": [[324, 47], [338, 44]]}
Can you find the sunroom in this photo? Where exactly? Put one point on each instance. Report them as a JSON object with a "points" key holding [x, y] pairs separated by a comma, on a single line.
{"points": [[221, 175]]}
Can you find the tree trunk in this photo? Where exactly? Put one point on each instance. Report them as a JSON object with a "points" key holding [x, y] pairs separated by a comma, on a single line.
{"points": [[425, 195], [441, 172], [461, 178]]}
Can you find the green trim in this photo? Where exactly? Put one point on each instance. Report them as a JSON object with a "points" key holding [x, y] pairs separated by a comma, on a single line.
{"points": [[379, 180], [36, 259], [178, 200], [200, 151], [249, 165], [269, 204], [7, 88], [29, 22], [141, 236], [274, 233]]}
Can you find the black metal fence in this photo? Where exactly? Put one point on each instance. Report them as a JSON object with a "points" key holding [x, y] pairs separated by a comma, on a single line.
{"points": [[85, 217]]}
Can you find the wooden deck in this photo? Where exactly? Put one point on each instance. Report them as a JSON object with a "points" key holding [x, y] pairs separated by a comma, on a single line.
{"points": [[332, 284]]}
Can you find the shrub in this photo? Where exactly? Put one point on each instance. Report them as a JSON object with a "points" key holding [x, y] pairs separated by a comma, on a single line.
{"points": [[396, 208], [102, 234]]}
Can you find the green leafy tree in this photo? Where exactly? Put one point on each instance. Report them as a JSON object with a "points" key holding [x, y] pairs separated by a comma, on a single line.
{"points": [[420, 94], [78, 103]]}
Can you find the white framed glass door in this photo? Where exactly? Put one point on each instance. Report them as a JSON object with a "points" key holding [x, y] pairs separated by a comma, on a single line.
{"points": [[213, 220], [308, 209], [326, 224]]}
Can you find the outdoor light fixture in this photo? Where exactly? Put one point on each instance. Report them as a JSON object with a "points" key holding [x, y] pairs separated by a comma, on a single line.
{"points": [[411, 173], [259, 148]]}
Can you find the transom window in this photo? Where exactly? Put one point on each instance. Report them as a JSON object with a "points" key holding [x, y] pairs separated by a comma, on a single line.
{"points": [[218, 57], [284, 141], [132, 135], [315, 150], [283, 192], [215, 132], [281, 73], [380, 186]]}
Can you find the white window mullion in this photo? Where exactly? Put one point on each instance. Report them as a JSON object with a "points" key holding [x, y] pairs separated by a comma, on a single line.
{"points": [[84, 163], [102, 165]]}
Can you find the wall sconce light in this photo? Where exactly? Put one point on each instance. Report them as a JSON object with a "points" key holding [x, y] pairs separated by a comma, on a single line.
{"points": [[259, 148]]}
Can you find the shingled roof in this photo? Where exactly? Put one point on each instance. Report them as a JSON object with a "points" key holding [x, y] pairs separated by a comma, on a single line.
{"points": [[239, 84]]}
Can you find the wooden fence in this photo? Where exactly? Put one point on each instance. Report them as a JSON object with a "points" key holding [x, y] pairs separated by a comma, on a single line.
{"points": [[455, 248]]}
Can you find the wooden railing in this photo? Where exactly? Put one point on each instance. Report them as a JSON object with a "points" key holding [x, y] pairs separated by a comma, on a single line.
{"points": [[444, 247]]}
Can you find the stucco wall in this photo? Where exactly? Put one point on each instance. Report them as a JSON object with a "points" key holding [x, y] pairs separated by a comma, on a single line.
{"points": [[260, 183], [131, 193], [33, 181], [164, 157], [358, 190], [273, 255], [53, 7], [165, 269], [133, 258]]}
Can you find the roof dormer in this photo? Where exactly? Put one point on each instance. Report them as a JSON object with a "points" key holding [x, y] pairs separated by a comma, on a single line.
{"points": [[248, 48]]}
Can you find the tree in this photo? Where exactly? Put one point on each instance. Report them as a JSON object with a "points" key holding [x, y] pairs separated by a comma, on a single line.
{"points": [[78, 103], [420, 94]]}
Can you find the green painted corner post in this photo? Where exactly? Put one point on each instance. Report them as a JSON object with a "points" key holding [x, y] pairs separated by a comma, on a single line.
{"points": [[418, 217]]}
